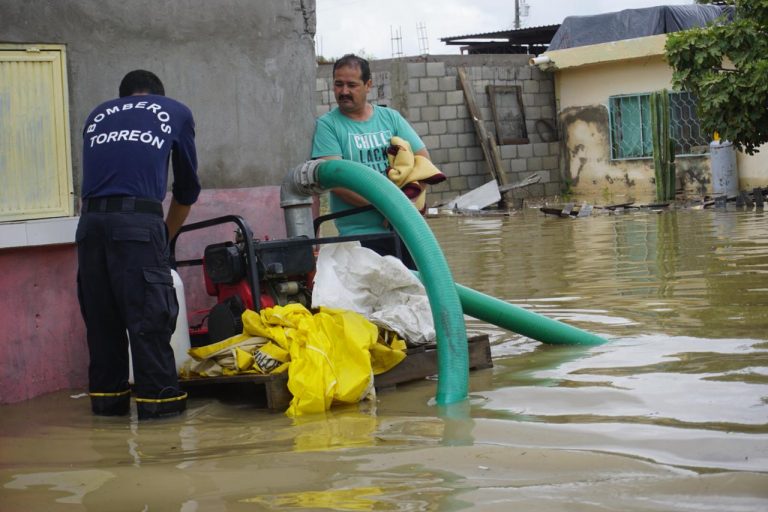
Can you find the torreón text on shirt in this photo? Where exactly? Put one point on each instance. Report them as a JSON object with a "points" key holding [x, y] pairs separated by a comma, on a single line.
{"points": [[146, 137]]}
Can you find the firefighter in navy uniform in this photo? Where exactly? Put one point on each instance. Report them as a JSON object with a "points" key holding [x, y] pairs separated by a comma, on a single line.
{"points": [[124, 276]]}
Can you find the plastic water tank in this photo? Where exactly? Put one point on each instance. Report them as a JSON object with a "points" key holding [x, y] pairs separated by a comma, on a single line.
{"points": [[180, 338], [725, 177]]}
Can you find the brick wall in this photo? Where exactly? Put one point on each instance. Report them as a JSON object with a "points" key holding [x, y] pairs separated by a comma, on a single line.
{"points": [[427, 91]]}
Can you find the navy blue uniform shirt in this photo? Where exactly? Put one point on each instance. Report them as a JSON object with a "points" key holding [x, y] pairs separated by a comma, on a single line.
{"points": [[127, 143]]}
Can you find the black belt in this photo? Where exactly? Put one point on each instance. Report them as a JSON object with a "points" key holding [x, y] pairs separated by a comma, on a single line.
{"points": [[122, 204]]}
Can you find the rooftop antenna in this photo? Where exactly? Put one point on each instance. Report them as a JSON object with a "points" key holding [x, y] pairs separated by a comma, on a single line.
{"points": [[421, 31], [396, 38]]}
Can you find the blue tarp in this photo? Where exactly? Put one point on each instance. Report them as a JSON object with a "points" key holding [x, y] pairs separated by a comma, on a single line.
{"points": [[632, 23]]}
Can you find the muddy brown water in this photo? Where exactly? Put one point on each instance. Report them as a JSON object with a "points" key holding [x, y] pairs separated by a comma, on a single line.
{"points": [[671, 414]]}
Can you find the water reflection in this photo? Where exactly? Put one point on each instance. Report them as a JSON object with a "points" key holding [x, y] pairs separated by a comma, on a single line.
{"points": [[672, 414]]}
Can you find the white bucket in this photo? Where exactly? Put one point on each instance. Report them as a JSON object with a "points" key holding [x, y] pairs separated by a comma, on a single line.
{"points": [[180, 338], [725, 177]]}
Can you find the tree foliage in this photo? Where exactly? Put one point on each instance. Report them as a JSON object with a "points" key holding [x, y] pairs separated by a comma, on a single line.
{"points": [[726, 66]]}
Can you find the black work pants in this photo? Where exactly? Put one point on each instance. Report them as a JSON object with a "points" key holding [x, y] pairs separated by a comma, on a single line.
{"points": [[125, 284]]}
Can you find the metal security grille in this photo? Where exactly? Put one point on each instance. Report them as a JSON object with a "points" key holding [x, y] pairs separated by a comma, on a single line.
{"points": [[630, 119], [35, 162]]}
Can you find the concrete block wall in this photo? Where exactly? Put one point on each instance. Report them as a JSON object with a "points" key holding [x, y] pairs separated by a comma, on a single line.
{"points": [[427, 91]]}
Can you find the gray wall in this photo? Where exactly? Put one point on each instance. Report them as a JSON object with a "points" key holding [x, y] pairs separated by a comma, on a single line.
{"points": [[427, 91], [246, 69]]}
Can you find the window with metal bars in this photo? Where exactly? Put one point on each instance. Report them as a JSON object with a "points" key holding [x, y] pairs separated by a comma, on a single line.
{"points": [[630, 119]]}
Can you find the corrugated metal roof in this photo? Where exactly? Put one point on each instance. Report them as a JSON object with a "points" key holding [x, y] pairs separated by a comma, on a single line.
{"points": [[527, 35]]}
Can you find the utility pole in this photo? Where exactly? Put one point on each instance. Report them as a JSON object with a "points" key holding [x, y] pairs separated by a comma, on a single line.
{"points": [[517, 14]]}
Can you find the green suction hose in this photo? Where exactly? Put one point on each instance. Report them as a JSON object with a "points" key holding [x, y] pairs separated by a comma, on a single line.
{"points": [[452, 349], [519, 320]]}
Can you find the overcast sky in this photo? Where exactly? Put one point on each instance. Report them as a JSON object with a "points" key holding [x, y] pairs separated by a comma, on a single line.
{"points": [[368, 26]]}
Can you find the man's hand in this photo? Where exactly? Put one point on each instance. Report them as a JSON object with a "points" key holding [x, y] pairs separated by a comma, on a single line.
{"points": [[177, 214]]}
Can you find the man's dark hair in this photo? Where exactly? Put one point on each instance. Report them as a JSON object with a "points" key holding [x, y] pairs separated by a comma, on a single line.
{"points": [[141, 81], [354, 61]]}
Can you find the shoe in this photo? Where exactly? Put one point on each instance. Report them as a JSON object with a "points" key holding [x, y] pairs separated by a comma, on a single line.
{"points": [[151, 408], [111, 404]]}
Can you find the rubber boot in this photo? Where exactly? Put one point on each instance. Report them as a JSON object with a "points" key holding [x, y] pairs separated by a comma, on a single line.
{"points": [[111, 404], [171, 402]]}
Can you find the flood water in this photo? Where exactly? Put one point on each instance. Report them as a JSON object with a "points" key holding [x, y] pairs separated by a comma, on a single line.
{"points": [[670, 415]]}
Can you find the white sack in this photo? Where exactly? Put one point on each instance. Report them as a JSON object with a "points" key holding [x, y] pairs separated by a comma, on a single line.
{"points": [[378, 287]]}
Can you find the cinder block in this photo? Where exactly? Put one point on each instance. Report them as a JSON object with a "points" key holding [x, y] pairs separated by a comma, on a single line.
{"points": [[450, 168], [435, 99], [435, 69], [476, 181], [430, 113], [523, 73], [541, 149], [467, 168], [439, 187], [458, 183], [544, 99], [518, 165], [467, 139], [456, 126], [438, 127], [413, 85], [439, 155], [417, 69], [532, 114], [448, 112], [322, 109], [462, 112], [447, 83], [431, 141], [418, 99], [454, 98], [428, 84], [474, 153], [550, 162], [456, 155], [534, 163], [524, 150], [448, 140], [508, 151], [321, 84], [421, 128], [531, 86]]}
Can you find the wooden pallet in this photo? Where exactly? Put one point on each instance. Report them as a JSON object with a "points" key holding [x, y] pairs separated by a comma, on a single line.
{"points": [[271, 391]]}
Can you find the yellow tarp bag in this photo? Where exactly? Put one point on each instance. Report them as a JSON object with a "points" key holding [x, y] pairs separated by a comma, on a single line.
{"points": [[330, 360], [330, 356], [227, 357]]}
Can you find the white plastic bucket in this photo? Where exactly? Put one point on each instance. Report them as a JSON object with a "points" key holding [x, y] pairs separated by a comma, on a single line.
{"points": [[180, 338], [725, 176]]}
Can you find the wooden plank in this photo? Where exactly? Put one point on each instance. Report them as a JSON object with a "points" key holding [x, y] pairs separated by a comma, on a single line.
{"points": [[422, 365], [271, 391], [482, 134]]}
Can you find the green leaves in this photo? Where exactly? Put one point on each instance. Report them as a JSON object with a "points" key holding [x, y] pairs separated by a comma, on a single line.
{"points": [[726, 67]]}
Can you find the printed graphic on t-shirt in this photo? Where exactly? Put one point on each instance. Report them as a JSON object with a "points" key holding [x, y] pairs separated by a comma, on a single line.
{"points": [[145, 136], [370, 149]]}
